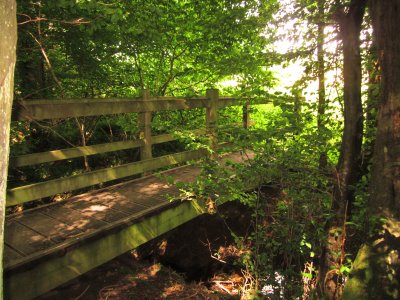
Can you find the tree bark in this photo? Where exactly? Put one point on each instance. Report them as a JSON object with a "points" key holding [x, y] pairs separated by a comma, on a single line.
{"points": [[323, 158], [375, 274], [8, 25], [348, 168], [385, 193]]}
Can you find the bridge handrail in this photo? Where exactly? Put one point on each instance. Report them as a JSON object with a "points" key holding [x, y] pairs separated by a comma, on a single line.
{"points": [[28, 110], [144, 105]]}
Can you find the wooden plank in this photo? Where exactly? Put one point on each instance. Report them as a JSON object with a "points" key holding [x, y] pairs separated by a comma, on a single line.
{"points": [[56, 155], [96, 210], [44, 189], [132, 200], [124, 205], [23, 239], [68, 153], [60, 268], [57, 231], [73, 218], [65, 108], [10, 255], [144, 124], [212, 120]]}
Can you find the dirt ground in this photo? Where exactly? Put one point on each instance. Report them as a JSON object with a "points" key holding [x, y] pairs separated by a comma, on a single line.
{"points": [[127, 277]]}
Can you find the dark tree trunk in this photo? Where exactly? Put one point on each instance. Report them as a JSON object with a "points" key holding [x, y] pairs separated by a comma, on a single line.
{"points": [[321, 84], [377, 267], [348, 168], [8, 25], [386, 165]]}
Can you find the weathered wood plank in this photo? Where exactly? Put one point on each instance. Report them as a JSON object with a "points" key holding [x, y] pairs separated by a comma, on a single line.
{"points": [[56, 155], [144, 124], [65, 108], [58, 269], [35, 191], [123, 204], [23, 239], [10, 255], [96, 210], [68, 153], [73, 218], [49, 227], [212, 120]]}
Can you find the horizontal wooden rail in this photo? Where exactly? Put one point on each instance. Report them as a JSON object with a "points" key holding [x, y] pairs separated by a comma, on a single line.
{"points": [[65, 108], [69, 153], [35, 191], [62, 154]]}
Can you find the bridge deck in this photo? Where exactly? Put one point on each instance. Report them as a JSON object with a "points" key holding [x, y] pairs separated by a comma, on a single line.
{"points": [[49, 245]]}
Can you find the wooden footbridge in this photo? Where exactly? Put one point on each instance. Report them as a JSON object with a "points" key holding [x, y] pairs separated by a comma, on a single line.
{"points": [[54, 243]]}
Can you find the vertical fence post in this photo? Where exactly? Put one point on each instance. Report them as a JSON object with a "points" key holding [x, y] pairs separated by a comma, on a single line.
{"points": [[246, 115], [212, 120], [144, 120]]}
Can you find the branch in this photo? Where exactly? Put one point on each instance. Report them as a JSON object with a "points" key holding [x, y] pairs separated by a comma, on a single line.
{"points": [[48, 64], [38, 19]]}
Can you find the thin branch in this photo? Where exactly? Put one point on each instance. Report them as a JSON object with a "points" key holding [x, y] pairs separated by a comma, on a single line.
{"points": [[38, 19], [48, 63]]}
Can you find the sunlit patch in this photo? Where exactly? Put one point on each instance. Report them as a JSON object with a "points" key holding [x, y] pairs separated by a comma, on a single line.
{"points": [[173, 289], [227, 284], [96, 208], [80, 224], [149, 272], [152, 189], [36, 238]]}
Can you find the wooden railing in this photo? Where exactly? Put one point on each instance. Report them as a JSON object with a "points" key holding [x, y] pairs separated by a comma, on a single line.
{"points": [[34, 110]]}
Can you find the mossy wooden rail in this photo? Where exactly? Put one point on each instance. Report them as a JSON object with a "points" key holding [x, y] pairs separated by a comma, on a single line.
{"points": [[49, 245]]}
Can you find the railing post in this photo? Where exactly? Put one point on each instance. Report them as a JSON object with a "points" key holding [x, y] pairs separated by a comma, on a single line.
{"points": [[144, 120], [246, 115], [212, 120]]}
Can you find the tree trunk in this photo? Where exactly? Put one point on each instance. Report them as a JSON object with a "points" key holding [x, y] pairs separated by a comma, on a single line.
{"points": [[321, 83], [8, 25], [386, 165], [376, 271], [348, 168]]}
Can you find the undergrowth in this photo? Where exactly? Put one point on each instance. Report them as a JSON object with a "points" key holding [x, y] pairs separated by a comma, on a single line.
{"points": [[280, 256]]}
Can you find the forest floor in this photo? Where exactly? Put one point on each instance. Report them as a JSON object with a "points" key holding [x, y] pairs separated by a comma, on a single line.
{"points": [[197, 260], [127, 277]]}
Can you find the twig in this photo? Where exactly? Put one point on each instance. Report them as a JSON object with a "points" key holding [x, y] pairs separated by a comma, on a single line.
{"points": [[52, 130], [106, 289], [211, 255], [80, 296], [222, 287], [46, 58], [38, 19]]}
